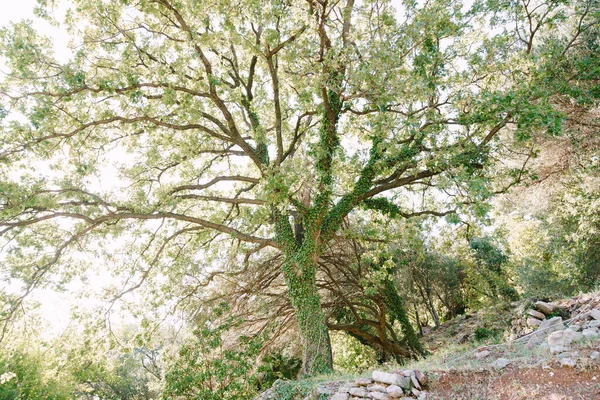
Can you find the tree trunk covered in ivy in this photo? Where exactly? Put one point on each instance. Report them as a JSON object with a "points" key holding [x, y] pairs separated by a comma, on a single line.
{"points": [[300, 277]]}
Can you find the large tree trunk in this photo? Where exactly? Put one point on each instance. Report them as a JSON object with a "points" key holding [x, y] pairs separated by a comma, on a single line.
{"points": [[300, 276]]}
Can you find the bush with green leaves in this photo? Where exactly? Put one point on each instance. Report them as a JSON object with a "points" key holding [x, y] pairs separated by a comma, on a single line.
{"points": [[214, 365], [276, 365], [125, 378], [481, 333], [349, 355], [23, 376]]}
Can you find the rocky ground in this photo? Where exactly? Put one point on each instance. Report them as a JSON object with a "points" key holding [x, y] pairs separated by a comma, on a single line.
{"points": [[553, 353], [515, 383], [550, 351]]}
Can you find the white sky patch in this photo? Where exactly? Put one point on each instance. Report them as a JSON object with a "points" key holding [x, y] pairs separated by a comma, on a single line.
{"points": [[23, 10]]}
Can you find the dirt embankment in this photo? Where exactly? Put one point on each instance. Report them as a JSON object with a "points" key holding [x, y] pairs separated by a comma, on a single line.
{"points": [[514, 383]]}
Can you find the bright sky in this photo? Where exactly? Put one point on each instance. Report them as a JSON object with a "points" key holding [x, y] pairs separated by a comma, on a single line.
{"points": [[23, 9], [16, 11], [54, 307]]}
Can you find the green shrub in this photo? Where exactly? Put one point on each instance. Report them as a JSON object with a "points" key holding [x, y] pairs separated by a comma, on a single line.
{"points": [[274, 366], [22, 377], [482, 334], [294, 390], [211, 368]]}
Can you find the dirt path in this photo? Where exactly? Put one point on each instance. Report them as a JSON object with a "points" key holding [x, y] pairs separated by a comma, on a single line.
{"points": [[513, 383]]}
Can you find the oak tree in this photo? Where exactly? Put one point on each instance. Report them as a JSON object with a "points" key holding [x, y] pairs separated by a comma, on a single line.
{"points": [[204, 133]]}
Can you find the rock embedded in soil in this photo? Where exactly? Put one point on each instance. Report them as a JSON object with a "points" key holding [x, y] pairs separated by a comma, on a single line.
{"points": [[567, 362], [590, 333], [500, 363], [536, 314], [564, 337], [593, 324], [391, 379], [558, 349], [533, 322], [358, 391], [568, 354], [482, 354], [394, 390], [595, 314], [546, 308], [554, 323], [363, 382]]}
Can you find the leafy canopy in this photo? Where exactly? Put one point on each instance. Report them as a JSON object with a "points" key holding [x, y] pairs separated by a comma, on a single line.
{"points": [[205, 133]]}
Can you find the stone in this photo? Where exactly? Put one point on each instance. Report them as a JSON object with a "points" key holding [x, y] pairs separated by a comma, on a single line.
{"points": [[595, 314], [554, 322], [363, 381], [340, 396], [594, 355], [326, 390], [592, 324], [358, 391], [567, 362], [379, 396], [536, 314], [568, 354], [415, 381], [590, 333], [415, 392], [376, 387], [533, 322], [564, 337], [558, 349], [421, 377], [391, 379], [422, 396], [500, 363], [576, 327], [395, 391], [546, 308], [344, 389]]}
